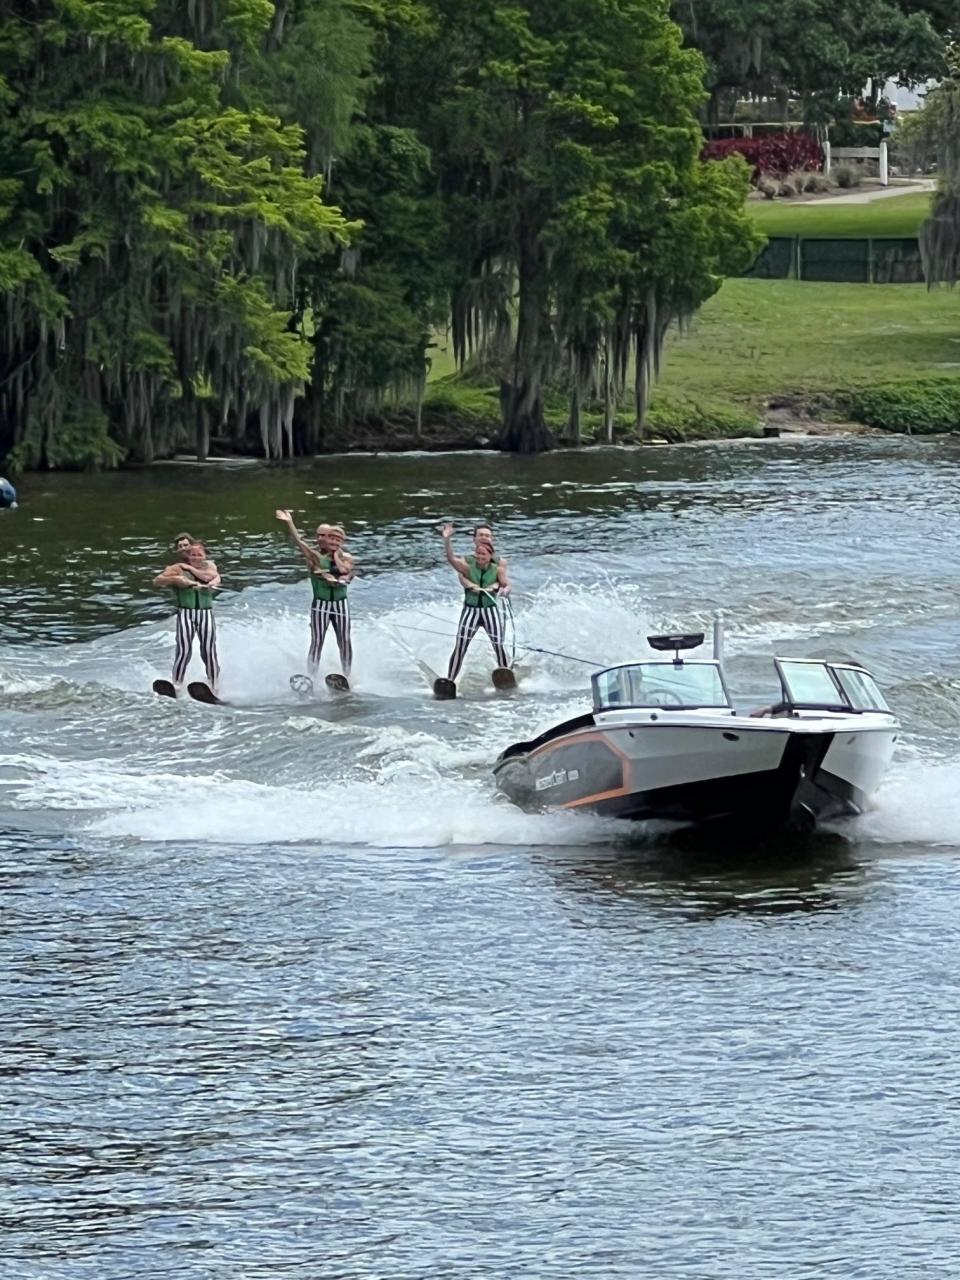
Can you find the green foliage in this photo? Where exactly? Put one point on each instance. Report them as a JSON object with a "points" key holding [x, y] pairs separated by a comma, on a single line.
{"points": [[688, 418], [151, 222], [682, 417], [456, 397], [916, 408], [82, 443], [523, 171], [940, 234], [316, 72], [565, 138], [815, 50], [847, 175], [377, 312]]}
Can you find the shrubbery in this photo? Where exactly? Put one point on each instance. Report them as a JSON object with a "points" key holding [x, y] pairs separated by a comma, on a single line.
{"points": [[847, 175], [811, 182], [777, 153], [919, 408], [677, 420]]}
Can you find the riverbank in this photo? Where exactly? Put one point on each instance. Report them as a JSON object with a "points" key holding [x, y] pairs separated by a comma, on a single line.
{"points": [[768, 352], [783, 418], [829, 352], [787, 354]]}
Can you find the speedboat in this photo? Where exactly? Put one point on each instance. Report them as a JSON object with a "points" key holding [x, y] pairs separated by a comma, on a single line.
{"points": [[664, 741]]}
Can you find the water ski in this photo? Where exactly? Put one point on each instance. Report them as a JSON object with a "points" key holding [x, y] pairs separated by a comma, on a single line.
{"points": [[339, 684], [203, 693], [301, 685], [165, 688], [504, 679], [443, 689]]}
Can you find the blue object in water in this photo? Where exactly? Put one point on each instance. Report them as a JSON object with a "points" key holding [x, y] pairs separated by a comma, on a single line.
{"points": [[8, 494]]}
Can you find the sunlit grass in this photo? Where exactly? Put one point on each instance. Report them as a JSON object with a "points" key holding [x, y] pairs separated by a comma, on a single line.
{"points": [[759, 339], [893, 216]]}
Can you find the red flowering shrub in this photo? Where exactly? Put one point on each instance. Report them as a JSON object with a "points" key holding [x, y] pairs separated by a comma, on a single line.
{"points": [[776, 153]]}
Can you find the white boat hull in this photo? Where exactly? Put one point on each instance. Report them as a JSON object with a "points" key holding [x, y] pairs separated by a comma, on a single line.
{"points": [[690, 767]]}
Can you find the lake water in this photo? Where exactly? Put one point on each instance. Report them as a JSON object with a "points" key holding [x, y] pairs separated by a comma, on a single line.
{"points": [[289, 991]]}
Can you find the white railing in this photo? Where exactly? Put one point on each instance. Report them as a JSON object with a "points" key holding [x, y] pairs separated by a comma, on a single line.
{"points": [[840, 155]]}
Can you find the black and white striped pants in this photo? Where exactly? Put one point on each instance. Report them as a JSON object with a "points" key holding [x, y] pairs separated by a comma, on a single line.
{"points": [[472, 618], [199, 623], [324, 614]]}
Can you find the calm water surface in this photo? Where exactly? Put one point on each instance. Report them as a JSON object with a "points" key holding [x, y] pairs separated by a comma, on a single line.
{"points": [[288, 991]]}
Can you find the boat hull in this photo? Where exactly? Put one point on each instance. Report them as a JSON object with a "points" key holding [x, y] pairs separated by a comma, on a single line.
{"points": [[755, 773]]}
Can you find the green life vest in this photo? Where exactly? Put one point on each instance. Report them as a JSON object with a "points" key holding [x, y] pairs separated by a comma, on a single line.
{"points": [[323, 590], [483, 578], [197, 597]]}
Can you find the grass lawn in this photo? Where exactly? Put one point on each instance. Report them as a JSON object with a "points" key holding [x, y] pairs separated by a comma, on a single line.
{"points": [[893, 216], [760, 338]]}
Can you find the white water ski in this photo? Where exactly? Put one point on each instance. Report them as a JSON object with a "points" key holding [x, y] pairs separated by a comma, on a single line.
{"points": [[301, 685]]}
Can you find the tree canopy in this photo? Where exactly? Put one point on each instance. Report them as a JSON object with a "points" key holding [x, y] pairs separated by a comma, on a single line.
{"points": [[153, 219], [813, 50], [940, 234], [235, 217]]}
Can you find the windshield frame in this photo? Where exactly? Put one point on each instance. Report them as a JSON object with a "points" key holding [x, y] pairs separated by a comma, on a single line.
{"points": [[843, 702], [600, 705]]}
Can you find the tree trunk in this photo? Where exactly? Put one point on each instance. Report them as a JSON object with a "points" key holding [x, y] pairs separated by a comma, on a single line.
{"points": [[641, 395], [203, 433], [421, 392], [524, 427], [609, 390], [575, 415], [646, 358]]}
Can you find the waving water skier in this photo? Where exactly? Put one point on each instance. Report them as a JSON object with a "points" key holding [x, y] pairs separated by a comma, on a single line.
{"points": [[193, 581], [331, 570], [483, 576]]}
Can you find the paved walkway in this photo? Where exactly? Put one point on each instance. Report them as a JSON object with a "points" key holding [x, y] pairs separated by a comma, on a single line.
{"points": [[878, 193]]}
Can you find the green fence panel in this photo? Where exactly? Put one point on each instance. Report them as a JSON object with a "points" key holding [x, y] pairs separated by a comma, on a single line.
{"points": [[841, 260], [897, 260], [776, 259], [864, 260]]}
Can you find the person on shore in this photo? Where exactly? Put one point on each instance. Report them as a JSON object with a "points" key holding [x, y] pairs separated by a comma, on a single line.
{"points": [[483, 577], [331, 570], [193, 580]]}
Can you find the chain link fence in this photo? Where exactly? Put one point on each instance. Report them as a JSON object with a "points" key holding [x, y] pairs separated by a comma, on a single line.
{"points": [[870, 260]]}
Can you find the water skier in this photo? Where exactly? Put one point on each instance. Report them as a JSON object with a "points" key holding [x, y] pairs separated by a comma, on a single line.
{"points": [[483, 576], [193, 580], [331, 571]]}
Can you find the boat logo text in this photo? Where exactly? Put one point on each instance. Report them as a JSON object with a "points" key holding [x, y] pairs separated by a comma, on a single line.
{"points": [[557, 779]]}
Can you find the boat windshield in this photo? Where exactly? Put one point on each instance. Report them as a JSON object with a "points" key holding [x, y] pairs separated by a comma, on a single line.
{"points": [[660, 684], [829, 685]]}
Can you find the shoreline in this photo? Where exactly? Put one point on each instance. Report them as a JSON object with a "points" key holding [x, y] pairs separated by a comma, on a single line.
{"points": [[794, 431], [785, 418]]}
